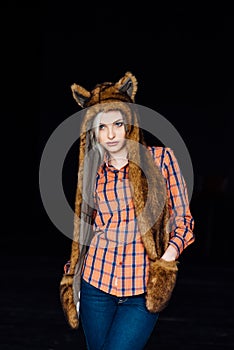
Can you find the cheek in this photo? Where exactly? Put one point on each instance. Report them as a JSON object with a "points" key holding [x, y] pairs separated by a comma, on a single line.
{"points": [[101, 137], [122, 133]]}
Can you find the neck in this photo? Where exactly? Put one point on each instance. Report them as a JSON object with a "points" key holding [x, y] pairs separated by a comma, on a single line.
{"points": [[118, 160]]}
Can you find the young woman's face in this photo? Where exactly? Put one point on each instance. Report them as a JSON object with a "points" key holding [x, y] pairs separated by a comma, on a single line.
{"points": [[111, 134]]}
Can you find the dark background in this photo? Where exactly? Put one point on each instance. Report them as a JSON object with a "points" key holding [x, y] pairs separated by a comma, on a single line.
{"points": [[182, 56]]}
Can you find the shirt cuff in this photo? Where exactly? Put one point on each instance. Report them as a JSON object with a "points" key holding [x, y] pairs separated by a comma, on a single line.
{"points": [[177, 243]]}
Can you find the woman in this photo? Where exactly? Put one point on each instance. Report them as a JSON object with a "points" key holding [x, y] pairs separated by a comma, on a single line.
{"points": [[132, 222]]}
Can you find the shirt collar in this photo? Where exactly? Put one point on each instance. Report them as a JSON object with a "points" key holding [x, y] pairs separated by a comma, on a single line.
{"points": [[106, 165]]}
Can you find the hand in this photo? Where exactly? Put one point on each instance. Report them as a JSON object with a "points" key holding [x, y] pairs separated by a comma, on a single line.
{"points": [[66, 267], [170, 254]]}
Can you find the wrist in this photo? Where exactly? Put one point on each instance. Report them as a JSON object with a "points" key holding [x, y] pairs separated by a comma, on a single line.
{"points": [[170, 254]]}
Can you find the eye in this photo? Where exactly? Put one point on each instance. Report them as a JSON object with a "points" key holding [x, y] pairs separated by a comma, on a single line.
{"points": [[119, 124], [101, 126]]}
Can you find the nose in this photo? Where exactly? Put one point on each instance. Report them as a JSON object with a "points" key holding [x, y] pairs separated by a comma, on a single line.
{"points": [[111, 132]]}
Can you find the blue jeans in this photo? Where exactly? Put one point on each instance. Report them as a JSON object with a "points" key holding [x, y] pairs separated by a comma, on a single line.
{"points": [[113, 323]]}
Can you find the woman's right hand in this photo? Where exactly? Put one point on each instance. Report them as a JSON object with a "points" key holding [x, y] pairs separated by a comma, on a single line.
{"points": [[67, 267]]}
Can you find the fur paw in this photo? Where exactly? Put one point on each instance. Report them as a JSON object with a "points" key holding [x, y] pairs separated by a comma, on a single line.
{"points": [[67, 301], [162, 280]]}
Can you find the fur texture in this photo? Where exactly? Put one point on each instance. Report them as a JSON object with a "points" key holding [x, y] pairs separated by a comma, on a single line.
{"points": [[67, 300], [162, 280]]}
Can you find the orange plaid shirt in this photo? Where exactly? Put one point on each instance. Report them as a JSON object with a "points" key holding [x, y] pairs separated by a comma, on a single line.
{"points": [[116, 261]]}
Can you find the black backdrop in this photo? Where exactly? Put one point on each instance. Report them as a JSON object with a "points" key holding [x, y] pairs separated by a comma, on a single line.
{"points": [[182, 57]]}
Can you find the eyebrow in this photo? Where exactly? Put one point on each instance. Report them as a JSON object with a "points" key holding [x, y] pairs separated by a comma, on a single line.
{"points": [[118, 120]]}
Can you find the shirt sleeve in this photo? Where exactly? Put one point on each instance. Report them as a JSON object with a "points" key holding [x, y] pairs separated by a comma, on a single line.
{"points": [[181, 223]]}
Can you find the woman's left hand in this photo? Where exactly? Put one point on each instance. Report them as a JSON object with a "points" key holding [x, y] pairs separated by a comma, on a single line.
{"points": [[170, 254]]}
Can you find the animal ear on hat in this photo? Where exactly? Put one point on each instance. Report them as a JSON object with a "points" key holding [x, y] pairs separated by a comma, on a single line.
{"points": [[128, 84], [80, 94]]}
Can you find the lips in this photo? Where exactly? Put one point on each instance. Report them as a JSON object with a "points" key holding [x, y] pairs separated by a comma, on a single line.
{"points": [[114, 143]]}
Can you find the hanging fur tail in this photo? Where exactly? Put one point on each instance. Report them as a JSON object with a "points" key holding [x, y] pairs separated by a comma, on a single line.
{"points": [[66, 298], [162, 280]]}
